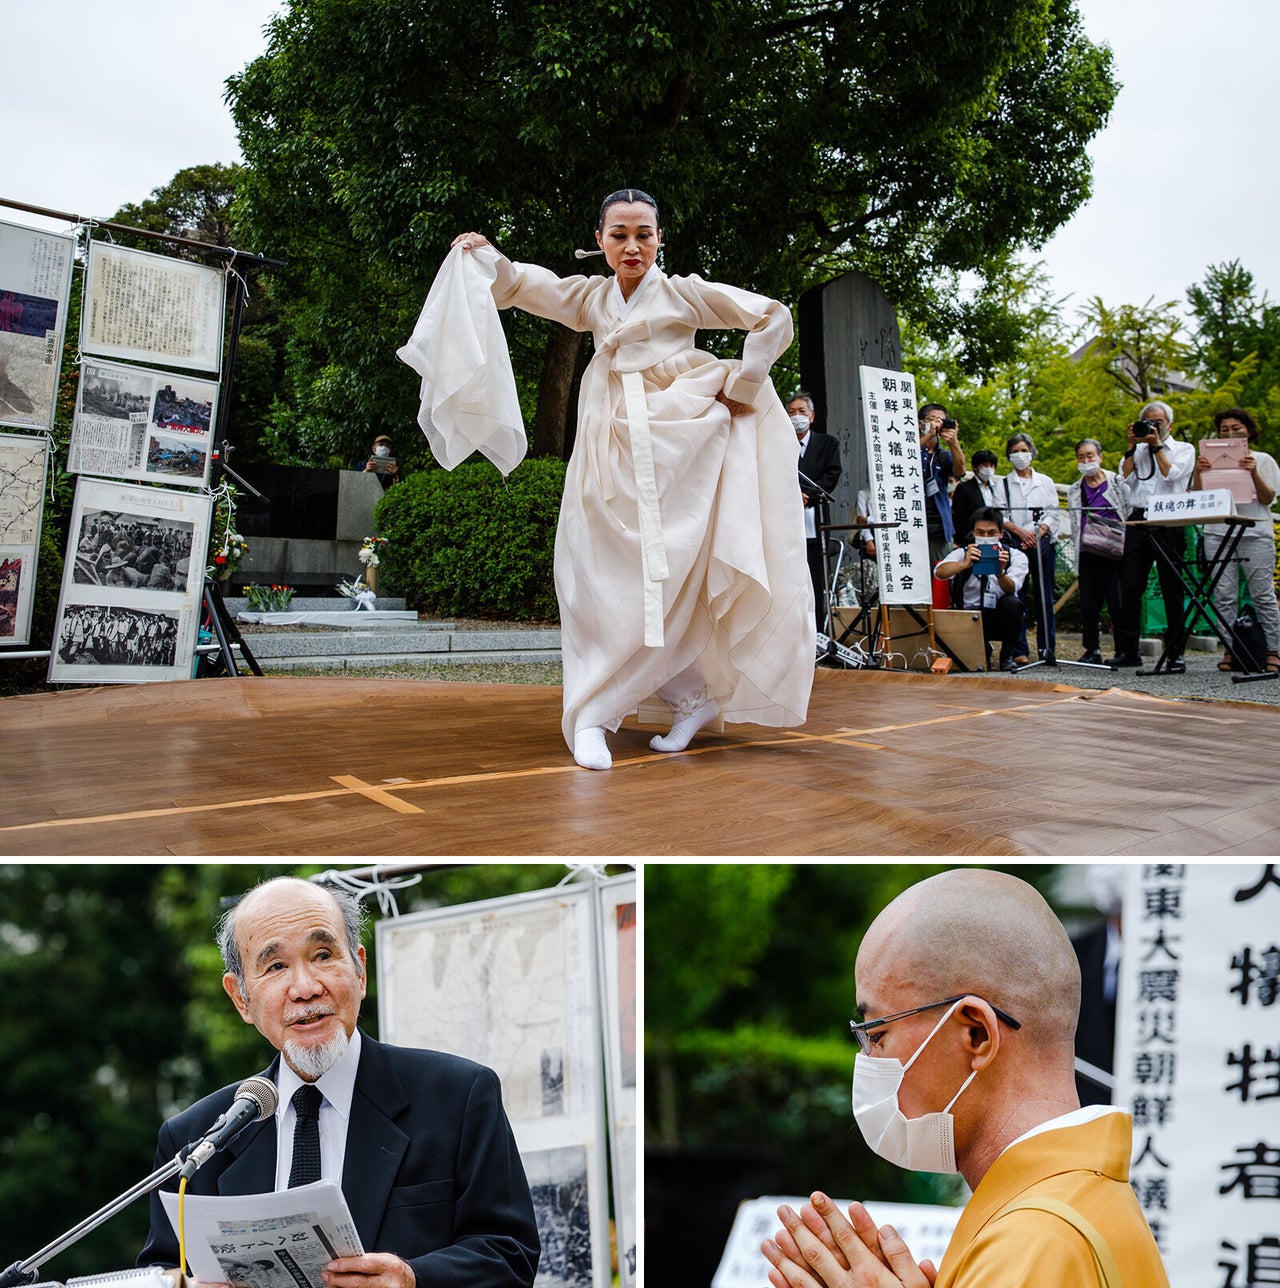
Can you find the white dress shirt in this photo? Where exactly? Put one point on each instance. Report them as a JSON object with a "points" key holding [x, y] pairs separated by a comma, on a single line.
{"points": [[1020, 497], [337, 1086], [810, 511], [1146, 482]]}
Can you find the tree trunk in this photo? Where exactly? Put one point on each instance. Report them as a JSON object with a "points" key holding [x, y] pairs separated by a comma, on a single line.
{"points": [[551, 428]]}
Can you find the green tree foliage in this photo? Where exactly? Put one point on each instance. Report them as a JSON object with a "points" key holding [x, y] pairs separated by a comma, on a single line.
{"points": [[113, 1017], [787, 141], [469, 542]]}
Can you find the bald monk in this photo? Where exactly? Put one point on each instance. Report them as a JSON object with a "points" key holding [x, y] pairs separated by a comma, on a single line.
{"points": [[968, 995]]}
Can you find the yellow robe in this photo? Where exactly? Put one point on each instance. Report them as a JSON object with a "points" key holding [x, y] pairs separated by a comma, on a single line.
{"points": [[1086, 1167]]}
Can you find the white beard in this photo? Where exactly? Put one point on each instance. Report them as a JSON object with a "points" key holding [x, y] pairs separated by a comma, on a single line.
{"points": [[315, 1061]]}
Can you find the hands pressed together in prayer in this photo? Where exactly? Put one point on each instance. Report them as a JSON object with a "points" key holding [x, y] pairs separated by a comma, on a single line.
{"points": [[819, 1248]]}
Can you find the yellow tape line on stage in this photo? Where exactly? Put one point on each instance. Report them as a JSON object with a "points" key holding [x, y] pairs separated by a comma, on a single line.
{"points": [[386, 796]]}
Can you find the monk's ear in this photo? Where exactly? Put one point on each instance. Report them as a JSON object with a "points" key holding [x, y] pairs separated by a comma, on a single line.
{"points": [[981, 1031]]}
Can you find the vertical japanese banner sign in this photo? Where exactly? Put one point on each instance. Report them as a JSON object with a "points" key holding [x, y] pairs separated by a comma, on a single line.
{"points": [[896, 494], [1198, 1064]]}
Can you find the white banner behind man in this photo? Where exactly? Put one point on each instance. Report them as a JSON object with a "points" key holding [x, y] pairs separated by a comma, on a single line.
{"points": [[1198, 1064], [897, 485]]}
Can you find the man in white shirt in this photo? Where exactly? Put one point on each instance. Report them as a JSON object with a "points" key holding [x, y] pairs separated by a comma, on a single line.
{"points": [[1003, 615], [1156, 464]]}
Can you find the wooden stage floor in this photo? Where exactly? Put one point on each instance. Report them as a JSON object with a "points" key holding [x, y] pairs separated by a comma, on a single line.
{"points": [[888, 764]]}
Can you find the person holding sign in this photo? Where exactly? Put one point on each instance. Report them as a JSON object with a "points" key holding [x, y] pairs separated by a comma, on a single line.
{"points": [[968, 997], [418, 1140], [989, 574], [1257, 549]]}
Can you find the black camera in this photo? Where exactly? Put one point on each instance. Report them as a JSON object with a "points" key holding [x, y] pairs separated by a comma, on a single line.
{"points": [[949, 423], [1142, 428]]}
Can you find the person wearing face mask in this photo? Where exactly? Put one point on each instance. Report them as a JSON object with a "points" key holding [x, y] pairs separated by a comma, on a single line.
{"points": [[1031, 519], [1257, 549], [1155, 464], [680, 547], [1097, 506], [968, 998], [978, 493], [941, 462], [381, 462], [820, 463]]}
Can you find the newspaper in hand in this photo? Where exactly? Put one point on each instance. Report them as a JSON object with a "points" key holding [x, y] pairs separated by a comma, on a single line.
{"points": [[280, 1240]]}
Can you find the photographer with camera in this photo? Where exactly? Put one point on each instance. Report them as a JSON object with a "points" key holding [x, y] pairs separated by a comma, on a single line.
{"points": [[940, 465], [1156, 464], [988, 574], [1031, 521]]}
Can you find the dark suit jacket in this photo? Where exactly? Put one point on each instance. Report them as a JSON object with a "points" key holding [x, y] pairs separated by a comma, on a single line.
{"points": [[1096, 1030], [965, 500], [820, 460], [431, 1172]]}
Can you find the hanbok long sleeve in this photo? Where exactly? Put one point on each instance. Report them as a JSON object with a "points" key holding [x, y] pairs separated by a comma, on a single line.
{"points": [[681, 535]]}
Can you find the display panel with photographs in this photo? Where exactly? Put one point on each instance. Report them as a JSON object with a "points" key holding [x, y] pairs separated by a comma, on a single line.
{"points": [[514, 983], [132, 423], [131, 585], [151, 308], [35, 284], [24, 467]]}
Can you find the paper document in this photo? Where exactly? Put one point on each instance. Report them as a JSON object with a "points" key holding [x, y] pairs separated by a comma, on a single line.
{"points": [[281, 1240]]}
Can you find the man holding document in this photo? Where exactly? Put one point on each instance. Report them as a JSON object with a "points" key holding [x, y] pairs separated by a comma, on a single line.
{"points": [[418, 1140]]}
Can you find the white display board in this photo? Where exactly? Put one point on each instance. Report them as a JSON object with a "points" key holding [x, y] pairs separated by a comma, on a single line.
{"points": [[24, 467], [144, 307], [897, 490], [618, 922], [1197, 1062], [513, 984], [131, 585], [925, 1228], [152, 426], [35, 285]]}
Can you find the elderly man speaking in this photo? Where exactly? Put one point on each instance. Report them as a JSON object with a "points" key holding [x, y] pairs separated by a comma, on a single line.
{"points": [[418, 1140], [968, 993]]}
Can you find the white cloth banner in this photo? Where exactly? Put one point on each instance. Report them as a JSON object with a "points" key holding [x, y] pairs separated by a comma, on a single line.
{"points": [[469, 401], [897, 485], [1197, 1062]]}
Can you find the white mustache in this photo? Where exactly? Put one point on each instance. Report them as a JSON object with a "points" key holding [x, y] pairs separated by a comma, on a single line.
{"points": [[303, 1016]]}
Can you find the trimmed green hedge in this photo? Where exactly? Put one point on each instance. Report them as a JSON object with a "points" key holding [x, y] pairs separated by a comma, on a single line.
{"points": [[469, 543]]}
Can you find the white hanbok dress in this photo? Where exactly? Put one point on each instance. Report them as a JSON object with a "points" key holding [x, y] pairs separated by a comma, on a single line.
{"points": [[680, 550]]}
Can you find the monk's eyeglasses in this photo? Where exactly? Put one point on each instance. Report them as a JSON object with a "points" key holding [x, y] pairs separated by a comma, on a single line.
{"points": [[861, 1029]]}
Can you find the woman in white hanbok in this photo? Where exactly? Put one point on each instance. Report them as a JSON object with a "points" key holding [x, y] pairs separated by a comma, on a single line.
{"points": [[680, 553]]}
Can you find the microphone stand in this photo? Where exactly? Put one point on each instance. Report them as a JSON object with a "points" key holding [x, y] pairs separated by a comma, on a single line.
{"points": [[825, 497], [26, 1271]]}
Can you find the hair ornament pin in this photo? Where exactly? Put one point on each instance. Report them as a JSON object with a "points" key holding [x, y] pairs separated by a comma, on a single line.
{"points": [[586, 254]]}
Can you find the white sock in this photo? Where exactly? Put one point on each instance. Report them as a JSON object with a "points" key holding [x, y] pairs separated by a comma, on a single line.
{"points": [[687, 722], [590, 749]]}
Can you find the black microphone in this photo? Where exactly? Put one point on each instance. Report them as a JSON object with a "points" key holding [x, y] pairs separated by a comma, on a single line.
{"points": [[256, 1098]]}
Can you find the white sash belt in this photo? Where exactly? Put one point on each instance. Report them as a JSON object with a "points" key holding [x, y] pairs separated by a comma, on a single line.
{"points": [[653, 550]]}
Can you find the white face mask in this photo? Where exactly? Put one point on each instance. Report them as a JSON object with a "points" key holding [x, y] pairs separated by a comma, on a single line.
{"points": [[924, 1144], [799, 423], [1088, 467], [1020, 460], [986, 473], [382, 450]]}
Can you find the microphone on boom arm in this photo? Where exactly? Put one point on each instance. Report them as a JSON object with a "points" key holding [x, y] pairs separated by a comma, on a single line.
{"points": [[256, 1098]]}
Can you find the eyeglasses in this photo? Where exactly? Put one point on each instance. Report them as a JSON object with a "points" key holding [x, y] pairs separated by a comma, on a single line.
{"points": [[861, 1029]]}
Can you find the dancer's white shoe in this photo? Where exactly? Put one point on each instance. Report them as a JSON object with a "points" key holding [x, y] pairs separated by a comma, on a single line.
{"points": [[590, 749], [683, 729]]}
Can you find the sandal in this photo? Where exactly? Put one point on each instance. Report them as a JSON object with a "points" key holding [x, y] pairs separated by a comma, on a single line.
{"points": [[1273, 663], [1225, 664]]}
